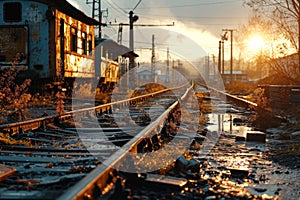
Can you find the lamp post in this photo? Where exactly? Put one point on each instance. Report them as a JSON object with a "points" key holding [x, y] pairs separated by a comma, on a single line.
{"points": [[132, 19], [223, 38], [231, 52]]}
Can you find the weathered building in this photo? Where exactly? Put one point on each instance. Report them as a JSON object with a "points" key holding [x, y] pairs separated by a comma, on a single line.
{"points": [[48, 38]]}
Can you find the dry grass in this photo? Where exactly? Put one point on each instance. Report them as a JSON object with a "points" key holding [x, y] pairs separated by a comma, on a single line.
{"points": [[7, 140]]}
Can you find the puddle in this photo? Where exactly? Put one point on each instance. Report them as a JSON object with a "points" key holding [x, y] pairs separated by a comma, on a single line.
{"points": [[224, 123], [265, 177]]}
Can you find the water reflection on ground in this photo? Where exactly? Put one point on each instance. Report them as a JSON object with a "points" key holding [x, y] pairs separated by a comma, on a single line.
{"points": [[262, 176]]}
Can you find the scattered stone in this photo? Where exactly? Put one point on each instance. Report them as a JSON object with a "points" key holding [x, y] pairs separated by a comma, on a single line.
{"points": [[240, 138], [239, 172], [183, 165], [167, 181], [238, 121], [295, 134], [260, 189], [256, 136]]}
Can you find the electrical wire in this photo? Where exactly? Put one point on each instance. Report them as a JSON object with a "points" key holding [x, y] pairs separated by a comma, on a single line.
{"points": [[116, 7], [190, 5]]}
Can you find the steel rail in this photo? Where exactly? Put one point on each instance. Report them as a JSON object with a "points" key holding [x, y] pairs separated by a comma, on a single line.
{"points": [[233, 97], [100, 180], [29, 125], [236, 98]]}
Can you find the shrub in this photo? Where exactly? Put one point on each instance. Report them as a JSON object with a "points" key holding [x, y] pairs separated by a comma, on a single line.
{"points": [[14, 97]]}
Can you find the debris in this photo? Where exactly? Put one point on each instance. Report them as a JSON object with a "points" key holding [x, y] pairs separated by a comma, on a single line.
{"points": [[256, 136], [169, 181], [239, 172], [6, 171], [183, 165], [240, 138]]}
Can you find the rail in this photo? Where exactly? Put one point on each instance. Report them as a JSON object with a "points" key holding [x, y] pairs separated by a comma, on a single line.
{"points": [[29, 125], [233, 97], [99, 181]]}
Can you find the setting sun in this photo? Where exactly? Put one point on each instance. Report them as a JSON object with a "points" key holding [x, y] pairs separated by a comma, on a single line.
{"points": [[255, 44]]}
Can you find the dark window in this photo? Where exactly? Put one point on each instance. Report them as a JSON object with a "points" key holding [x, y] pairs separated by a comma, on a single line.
{"points": [[12, 12], [84, 43], [73, 39], [90, 43], [38, 67]]}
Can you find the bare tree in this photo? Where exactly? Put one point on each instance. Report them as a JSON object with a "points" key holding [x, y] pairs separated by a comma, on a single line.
{"points": [[285, 17]]}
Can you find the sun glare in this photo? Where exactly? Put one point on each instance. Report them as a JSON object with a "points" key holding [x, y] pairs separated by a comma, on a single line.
{"points": [[256, 44]]}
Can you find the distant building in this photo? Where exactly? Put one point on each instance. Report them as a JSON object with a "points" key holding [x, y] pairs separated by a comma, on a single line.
{"points": [[145, 76], [237, 76]]}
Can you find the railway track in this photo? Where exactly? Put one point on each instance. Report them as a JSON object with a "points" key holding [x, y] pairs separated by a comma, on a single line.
{"points": [[42, 158], [157, 147]]}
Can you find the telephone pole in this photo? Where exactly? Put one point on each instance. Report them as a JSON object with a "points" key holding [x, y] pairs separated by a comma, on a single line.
{"points": [[231, 51], [97, 12], [153, 58]]}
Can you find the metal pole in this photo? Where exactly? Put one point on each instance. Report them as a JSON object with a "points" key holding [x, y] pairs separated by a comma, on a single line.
{"points": [[153, 58], [131, 47], [100, 18], [223, 64], [231, 53], [219, 60]]}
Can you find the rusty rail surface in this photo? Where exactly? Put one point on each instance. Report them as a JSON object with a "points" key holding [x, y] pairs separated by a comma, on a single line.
{"points": [[29, 125], [101, 181], [230, 96]]}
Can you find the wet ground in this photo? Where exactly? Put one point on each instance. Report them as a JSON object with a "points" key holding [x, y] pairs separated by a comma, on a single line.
{"points": [[273, 167], [234, 168]]}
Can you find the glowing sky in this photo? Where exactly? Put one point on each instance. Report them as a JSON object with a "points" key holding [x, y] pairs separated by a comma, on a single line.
{"points": [[196, 21]]}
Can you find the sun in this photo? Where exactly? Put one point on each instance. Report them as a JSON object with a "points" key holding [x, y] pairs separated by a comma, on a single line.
{"points": [[255, 43]]}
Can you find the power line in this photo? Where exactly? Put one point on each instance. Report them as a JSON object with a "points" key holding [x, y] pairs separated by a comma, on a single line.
{"points": [[193, 17], [190, 5], [116, 7]]}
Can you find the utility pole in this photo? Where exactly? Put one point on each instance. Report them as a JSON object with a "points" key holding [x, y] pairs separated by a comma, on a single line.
{"points": [[97, 12], [213, 65], [153, 58], [132, 19], [219, 58], [231, 51], [168, 65], [223, 38]]}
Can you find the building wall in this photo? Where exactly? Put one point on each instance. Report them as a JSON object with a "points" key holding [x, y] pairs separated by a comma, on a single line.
{"points": [[77, 62], [25, 31]]}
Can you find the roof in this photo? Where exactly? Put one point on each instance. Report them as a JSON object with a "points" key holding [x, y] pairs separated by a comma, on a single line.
{"points": [[241, 72], [114, 49], [67, 8], [145, 72]]}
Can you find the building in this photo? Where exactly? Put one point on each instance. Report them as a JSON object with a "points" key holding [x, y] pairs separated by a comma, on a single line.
{"points": [[237, 76]]}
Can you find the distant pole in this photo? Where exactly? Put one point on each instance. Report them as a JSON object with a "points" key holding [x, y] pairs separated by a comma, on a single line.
{"points": [[132, 19], [208, 67], [223, 38], [219, 60], [231, 52], [153, 58], [213, 65], [168, 64], [131, 47], [93, 8], [223, 62], [100, 19]]}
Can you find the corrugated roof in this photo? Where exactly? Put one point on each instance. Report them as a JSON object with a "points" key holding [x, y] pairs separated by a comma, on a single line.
{"points": [[67, 8]]}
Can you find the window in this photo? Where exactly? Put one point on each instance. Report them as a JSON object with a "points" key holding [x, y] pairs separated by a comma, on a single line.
{"points": [[84, 43], [12, 12], [73, 39], [90, 43]]}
